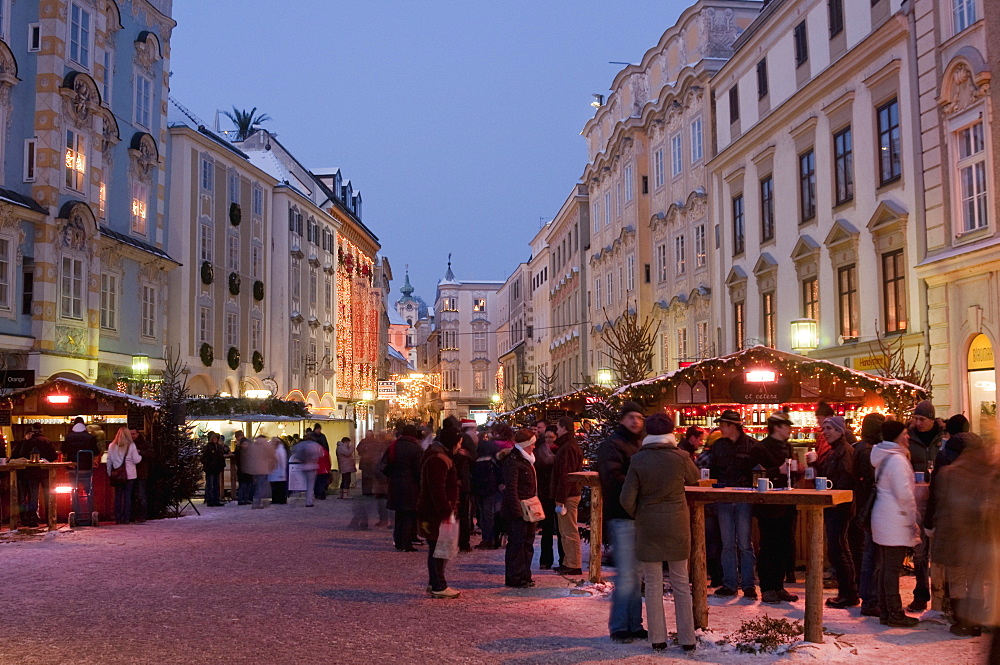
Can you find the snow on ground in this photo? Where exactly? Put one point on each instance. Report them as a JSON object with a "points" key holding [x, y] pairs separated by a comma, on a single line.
{"points": [[288, 584]]}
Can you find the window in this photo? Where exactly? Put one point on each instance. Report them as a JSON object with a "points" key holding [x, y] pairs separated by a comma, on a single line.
{"points": [[836, 8], [234, 187], [767, 208], [597, 216], [449, 304], [232, 329], [205, 241], [847, 289], [889, 149], [618, 199], [479, 379], [843, 165], [680, 257], [29, 159], [972, 177], [79, 35], [597, 293], [739, 324], [147, 324], [611, 286], [700, 252], [629, 183], [207, 175], [630, 272], [479, 305], [661, 262], [143, 100], [296, 356], [255, 261], [258, 204], [140, 202], [256, 327], [734, 104], [313, 287], [807, 184], [702, 339], [739, 225], [106, 83], [697, 141], [767, 318], [801, 44], [675, 155], [204, 325], [658, 168], [34, 37], [810, 298], [682, 344], [479, 342], [109, 301], [762, 79], [232, 253], [329, 292], [71, 296], [5, 273], [894, 291], [607, 208], [449, 339], [296, 278], [76, 159], [28, 288], [965, 14], [102, 199]]}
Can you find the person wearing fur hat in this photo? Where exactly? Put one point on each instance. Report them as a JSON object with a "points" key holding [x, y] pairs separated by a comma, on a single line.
{"points": [[653, 494], [776, 523], [925, 436], [894, 519], [864, 483], [731, 466], [837, 465], [517, 465], [613, 458], [438, 500]]}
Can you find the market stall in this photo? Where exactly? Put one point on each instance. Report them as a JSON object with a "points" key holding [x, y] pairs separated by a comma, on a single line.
{"points": [[759, 380], [52, 406], [578, 404]]}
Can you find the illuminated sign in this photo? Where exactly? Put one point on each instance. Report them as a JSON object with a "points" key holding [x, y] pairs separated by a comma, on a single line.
{"points": [[761, 376]]}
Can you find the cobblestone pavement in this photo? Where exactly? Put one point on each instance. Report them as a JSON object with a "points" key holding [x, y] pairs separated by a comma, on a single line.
{"points": [[294, 584]]}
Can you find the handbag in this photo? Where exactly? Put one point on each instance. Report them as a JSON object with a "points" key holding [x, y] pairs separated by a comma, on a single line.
{"points": [[119, 475], [447, 542], [865, 514], [531, 510]]}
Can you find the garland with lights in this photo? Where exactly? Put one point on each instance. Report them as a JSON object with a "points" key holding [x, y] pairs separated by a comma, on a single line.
{"points": [[223, 407]]}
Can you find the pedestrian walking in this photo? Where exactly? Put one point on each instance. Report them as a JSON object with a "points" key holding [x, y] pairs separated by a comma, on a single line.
{"points": [[545, 458], [259, 461], [654, 495], [122, 451], [279, 475], [464, 457], [517, 466], [731, 466], [213, 461], [566, 496], [864, 484], [925, 436], [613, 456], [401, 465], [894, 519], [345, 463], [373, 484], [307, 453], [775, 523], [438, 501], [324, 472]]}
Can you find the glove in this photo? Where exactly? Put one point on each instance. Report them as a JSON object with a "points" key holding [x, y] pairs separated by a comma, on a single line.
{"points": [[560, 509], [811, 457]]}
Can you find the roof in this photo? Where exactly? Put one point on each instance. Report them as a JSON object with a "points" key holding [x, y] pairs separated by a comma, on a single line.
{"points": [[107, 393], [269, 163], [136, 243], [21, 200], [394, 318], [393, 353]]}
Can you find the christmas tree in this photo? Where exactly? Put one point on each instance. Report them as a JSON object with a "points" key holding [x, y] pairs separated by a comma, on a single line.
{"points": [[177, 474]]}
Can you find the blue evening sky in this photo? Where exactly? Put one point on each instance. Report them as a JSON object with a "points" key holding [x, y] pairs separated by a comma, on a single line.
{"points": [[459, 121]]}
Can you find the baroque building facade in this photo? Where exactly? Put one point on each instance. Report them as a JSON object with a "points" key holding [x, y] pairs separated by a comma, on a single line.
{"points": [[83, 215]]}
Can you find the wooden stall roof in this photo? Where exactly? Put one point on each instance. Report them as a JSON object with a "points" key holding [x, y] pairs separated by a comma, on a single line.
{"points": [[85, 399]]}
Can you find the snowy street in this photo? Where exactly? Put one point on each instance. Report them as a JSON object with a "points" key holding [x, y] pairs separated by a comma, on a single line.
{"points": [[288, 584]]}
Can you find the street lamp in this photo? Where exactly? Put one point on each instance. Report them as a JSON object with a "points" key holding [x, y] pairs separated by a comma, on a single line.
{"points": [[604, 376], [140, 365], [805, 335], [367, 396]]}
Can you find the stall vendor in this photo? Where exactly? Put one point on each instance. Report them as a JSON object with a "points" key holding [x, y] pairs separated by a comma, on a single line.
{"points": [[29, 481]]}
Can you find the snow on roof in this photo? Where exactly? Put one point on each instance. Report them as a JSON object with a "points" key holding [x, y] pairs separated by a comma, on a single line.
{"points": [[395, 319], [397, 355], [266, 161]]}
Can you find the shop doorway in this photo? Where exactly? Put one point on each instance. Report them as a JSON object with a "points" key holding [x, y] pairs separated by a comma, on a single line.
{"points": [[982, 386]]}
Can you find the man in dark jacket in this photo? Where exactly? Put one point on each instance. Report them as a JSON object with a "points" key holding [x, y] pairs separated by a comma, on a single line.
{"points": [[520, 483], [566, 495], [464, 457], [213, 461], [613, 455], [776, 523], [140, 502], [485, 484], [730, 464], [837, 466], [79, 440], [30, 480], [438, 500], [862, 546], [925, 442], [402, 467], [244, 491], [545, 459]]}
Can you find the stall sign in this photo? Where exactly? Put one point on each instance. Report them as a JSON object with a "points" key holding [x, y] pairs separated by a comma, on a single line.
{"points": [[136, 419], [552, 415], [17, 379], [387, 389], [743, 391], [699, 393]]}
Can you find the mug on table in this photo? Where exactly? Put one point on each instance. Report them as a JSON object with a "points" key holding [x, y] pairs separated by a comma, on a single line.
{"points": [[763, 485], [823, 483]]}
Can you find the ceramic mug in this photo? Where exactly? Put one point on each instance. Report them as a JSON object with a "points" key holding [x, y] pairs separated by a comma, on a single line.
{"points": [[918, 476], [823, 484], [763, 485], [706, 474]]}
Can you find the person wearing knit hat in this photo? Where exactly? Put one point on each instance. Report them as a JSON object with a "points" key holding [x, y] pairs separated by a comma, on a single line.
{"points": [[837, 466], [653, 493], [520, 483], [864, 481], [613, 458], [925, 438]]}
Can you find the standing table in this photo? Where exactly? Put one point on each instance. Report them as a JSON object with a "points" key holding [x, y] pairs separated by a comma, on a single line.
{"points": [[50, 495], [812, 502]]}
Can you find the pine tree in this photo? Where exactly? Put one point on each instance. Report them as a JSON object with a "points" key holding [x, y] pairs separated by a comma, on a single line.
{"points": [[177, 471]]}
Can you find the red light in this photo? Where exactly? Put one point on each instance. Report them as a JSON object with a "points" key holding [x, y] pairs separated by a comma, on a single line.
{"points": [[684, 363], [57, 399]]}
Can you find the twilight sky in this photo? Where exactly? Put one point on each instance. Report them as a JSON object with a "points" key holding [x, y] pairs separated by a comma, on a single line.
{"points": [[459, 121]]}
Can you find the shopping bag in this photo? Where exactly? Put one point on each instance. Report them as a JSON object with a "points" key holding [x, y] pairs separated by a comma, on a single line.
{"points": [[447, 543], [531, 510], [296, 478]]}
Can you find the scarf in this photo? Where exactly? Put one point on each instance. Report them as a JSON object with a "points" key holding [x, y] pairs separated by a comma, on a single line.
{"points": [[524, 453], [659, 438]]}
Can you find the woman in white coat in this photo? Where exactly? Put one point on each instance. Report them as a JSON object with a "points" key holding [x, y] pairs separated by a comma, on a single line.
{"points": [[122, 451], [894, 519], [279, 476]]}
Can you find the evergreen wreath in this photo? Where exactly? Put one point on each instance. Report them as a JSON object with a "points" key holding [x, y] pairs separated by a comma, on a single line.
{"points": [[207, 272], [207, 354], [235, 214], [258, 361], [258, 290], [233, 357], [234, 284]]}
